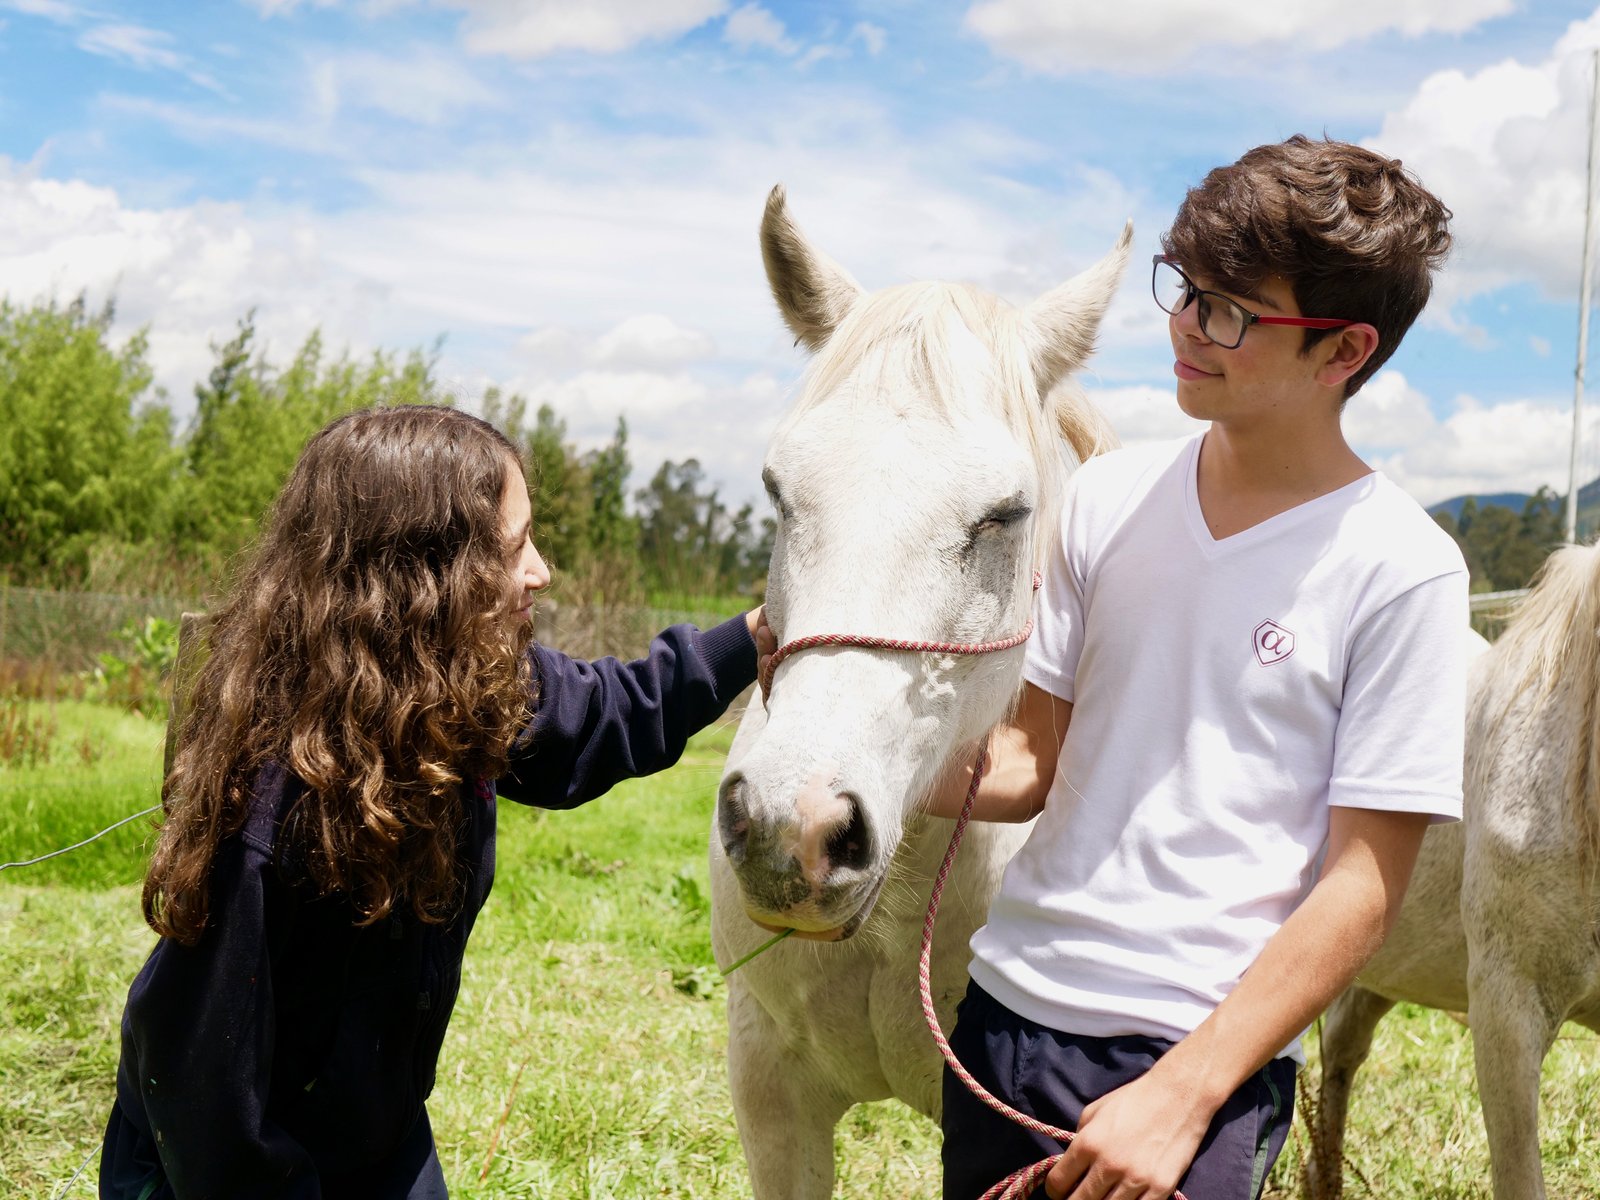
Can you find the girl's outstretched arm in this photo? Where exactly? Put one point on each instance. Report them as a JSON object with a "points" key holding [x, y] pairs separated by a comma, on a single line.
{"points": [[597, 723]]}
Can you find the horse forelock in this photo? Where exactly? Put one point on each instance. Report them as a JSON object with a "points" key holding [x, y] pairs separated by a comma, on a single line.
{"points": [[1549, 656], [895, 348]]}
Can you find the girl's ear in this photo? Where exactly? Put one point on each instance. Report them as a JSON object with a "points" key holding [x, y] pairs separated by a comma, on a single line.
{"points": [[1346, 352]]}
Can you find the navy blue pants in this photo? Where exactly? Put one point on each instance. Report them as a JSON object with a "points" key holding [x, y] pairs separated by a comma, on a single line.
{"points": [[1053, 1076], [130, 1168]]}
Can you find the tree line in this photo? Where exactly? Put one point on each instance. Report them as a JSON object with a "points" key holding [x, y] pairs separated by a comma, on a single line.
{"points": [[103, 487], [1504, 549]]}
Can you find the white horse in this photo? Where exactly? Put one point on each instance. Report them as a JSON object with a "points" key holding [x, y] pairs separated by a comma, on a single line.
{"points": [[916, 482], [1502, 919]]}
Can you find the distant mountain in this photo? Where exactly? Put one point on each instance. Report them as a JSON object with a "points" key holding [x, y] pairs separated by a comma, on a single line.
{"points": [[1588, 505], [1515, 501]]}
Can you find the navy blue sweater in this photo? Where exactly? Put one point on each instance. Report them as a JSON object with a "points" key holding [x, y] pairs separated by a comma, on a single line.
{"points": [[288, 1053]]}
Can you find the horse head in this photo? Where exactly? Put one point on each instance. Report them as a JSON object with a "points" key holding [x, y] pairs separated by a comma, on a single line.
{"points": [[915, 483]]}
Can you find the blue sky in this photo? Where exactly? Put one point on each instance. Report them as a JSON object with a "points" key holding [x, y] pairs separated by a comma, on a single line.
{"points": [[569, 193]]}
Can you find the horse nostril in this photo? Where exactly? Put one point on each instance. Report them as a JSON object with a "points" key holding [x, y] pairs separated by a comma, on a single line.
{"points": [[733, 816], [850, 843]]}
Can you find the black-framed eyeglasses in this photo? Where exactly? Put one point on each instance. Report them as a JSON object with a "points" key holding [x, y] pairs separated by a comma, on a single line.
{"points": [[1222, 320]]}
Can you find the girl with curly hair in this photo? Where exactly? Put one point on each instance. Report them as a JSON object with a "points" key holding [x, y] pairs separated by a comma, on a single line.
{"points": [[372, 688]]}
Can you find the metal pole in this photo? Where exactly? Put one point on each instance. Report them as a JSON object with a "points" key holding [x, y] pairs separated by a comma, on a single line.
{"points": [[1583, 312]]}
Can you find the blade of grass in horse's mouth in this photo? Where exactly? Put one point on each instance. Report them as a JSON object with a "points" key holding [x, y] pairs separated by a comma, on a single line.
{"points": [[765, 946]]}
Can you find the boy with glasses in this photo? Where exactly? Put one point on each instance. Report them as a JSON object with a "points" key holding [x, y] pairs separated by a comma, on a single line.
{"points": [[1243, 706]]}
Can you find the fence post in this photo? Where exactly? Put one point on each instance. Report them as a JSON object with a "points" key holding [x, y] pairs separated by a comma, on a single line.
{"points": [[192, 631]]}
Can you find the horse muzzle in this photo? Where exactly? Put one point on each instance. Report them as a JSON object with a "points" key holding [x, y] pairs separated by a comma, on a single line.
{"points": [[809, 864]]}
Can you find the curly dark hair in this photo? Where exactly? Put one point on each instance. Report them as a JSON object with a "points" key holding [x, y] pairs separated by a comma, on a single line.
{"points": [[1354, 234], [364, 647]]}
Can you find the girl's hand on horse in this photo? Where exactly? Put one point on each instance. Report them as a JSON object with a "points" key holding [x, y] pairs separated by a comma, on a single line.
{"points": [[766, 641]]}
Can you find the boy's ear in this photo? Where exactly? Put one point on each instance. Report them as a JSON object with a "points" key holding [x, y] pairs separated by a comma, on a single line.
{"points": [[1345, 353]]}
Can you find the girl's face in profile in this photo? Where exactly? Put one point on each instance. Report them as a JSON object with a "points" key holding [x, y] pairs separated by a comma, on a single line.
{"points": [[527, 573]]}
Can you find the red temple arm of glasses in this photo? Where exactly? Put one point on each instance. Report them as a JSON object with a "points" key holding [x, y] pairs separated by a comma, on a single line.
{"points": [[1305, 322]]}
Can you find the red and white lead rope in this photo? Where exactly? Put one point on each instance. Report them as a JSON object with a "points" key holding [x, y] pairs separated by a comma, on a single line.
{"points": [[1026, 1181]]}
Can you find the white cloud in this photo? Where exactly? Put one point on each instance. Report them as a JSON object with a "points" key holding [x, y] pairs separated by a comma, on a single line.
{"points": [[52, 10], [646, 341], [275, 8], [873, 37], [424, 86], [752, 25], [602, 396], [1148, 36], [652, 340], [553, 348], [1514, 446], [1388, 413], [132, 43], [820, 53], [1503, 148], [670, 415], [1143, 413], [144, 48], [534, 28], [203, 125], [187, 273]]}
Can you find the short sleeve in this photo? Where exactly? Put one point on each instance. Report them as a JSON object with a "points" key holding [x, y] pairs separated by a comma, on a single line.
{"points": [[1401, 731], [1052, 655]]}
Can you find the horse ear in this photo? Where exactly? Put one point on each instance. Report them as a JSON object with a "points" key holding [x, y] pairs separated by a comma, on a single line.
{"points": [[1065, 320], [813, 292]]}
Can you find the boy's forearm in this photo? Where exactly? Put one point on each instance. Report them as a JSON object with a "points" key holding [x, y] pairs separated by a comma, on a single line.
{"points": [[1018, 770], [1155, 1124], [1315, 955]]}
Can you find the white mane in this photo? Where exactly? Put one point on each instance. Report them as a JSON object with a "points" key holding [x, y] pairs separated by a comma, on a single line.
{"points": [[895, 344], [1549, 658]]}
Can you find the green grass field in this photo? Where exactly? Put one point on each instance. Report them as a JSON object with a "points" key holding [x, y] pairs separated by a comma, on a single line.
{"points": [[590, 974]]}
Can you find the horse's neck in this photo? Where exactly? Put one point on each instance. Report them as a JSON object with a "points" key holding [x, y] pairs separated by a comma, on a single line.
{"points": [[926, 839]]}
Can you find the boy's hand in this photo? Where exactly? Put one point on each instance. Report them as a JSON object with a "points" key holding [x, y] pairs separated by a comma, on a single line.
{"points": [[766, 641], [1134, 1143]]}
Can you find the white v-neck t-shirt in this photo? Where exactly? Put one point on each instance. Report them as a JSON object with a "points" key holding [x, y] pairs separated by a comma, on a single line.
{"points": [[1225, 693]]}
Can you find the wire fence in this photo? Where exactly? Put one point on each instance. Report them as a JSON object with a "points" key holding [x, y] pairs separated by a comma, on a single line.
{"points": [[57, 631], [67, 631], [94, 837], [1490, 611]]}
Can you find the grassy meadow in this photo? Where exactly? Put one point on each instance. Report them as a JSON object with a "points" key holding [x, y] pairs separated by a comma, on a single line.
{"points": [[585, 1057]]}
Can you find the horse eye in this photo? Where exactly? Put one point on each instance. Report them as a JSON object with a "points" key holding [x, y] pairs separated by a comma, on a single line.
{"points": [[775, 496], [1003, 517]]}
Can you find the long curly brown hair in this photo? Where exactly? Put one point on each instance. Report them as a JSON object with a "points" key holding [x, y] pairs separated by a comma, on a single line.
{"points": [[366, 648]]}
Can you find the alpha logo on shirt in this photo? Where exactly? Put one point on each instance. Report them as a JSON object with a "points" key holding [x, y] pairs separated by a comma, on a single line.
{"points": [[1273, 643]]}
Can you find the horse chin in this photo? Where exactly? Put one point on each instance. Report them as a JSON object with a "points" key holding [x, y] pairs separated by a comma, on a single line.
{"points": [[835, 933]]}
